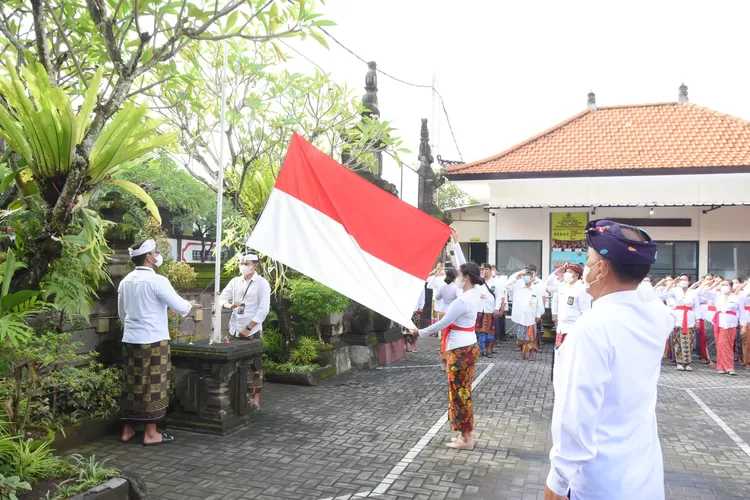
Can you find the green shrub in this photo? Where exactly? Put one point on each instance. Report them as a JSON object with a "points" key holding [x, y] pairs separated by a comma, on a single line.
{"points": [[30, 463], [92, 391], [86, 473], [313, 302], [274, 344], [271, 367], [306, 351], [10, 486]]}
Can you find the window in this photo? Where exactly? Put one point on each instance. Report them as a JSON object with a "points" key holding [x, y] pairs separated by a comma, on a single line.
{"points": [[728, 259], [513, 256], [675, 258], [209, 256]]}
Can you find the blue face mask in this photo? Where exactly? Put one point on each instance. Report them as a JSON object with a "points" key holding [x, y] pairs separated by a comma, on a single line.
{"points": [[526, 279]]}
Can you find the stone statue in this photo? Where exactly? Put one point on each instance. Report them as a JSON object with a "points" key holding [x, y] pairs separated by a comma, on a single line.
{"points": [[370, 99]]}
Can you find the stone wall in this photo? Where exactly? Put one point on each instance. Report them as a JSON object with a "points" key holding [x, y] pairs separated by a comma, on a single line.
{"points": [[104, 332]]}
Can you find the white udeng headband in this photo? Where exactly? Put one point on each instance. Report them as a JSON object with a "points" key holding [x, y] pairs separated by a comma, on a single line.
{"points": [[251, 256], [147, 247]]}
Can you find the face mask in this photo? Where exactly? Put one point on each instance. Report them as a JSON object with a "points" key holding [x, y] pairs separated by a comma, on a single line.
{"points": [[646, 283], [527, 279], [667, 283], [586, 271], [159, 260], [725, 289], [684, 284], [568, 277], [460, 281], [245, 270]]}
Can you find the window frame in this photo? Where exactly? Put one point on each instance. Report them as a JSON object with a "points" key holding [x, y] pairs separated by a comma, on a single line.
{"points": [[697, 256], [541, 251], [708, 250]]}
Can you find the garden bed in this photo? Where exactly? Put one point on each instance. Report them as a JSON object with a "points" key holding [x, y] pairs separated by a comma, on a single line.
{"points": [[75, 436], [310, 378]]}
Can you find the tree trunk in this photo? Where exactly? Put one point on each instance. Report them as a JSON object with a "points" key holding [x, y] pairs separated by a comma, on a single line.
{"points": [[281, 305]]}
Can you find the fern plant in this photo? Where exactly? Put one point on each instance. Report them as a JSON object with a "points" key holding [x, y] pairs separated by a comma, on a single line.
{"points": [[42, 127], [16, 307], [306, 351]]}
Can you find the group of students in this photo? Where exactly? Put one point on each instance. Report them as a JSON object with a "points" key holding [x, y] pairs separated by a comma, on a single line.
{"points": [[711, 318]]}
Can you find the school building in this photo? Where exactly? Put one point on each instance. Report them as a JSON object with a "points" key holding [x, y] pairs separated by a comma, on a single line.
{"points": [[678, 170]]}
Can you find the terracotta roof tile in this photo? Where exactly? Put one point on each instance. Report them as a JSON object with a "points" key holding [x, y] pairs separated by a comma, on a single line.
{"points": [[632, 137]]}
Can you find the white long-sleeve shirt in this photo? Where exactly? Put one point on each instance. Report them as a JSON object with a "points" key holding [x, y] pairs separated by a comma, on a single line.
{"points": [[725, 305], [604, 432], [436, 283], [255, 294], [682, 299], [570, 301], [420, 302], [142, 301], [498, 287], [646, 292], [462, 312], [527, 301], [446, 294]]}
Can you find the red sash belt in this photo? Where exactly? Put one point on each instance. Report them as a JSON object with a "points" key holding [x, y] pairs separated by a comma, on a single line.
{"points": [[716, 316], [684, 310], [452, 326]]}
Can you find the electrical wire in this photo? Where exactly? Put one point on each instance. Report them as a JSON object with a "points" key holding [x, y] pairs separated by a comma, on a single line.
{"points": [[417, 85]]}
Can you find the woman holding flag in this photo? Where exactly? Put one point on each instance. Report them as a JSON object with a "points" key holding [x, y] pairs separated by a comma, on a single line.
{"points": [[460, 345]]}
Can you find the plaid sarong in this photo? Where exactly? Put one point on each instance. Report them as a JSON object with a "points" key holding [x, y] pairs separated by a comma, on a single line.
{"points": [[145, 388]]}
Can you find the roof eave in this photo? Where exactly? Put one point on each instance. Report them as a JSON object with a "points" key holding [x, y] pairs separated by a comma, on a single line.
{"points": [[640, 172]]}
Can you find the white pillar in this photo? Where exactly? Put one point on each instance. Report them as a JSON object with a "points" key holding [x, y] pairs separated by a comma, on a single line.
{"points": [[492, 238], [544, 213]]}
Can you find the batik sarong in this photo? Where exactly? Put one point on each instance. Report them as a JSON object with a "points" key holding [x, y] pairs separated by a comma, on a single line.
{"points": [[461, 363], [527, 338], [485, 328], [682, 343], [416, 318], [710, 342], [725, 338], [145, 387]]}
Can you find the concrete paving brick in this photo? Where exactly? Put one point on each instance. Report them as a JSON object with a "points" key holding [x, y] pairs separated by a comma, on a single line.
{"points": [[344, 437]]}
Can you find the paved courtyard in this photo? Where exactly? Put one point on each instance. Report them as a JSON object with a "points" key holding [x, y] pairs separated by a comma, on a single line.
{"points": [[381, 434]]}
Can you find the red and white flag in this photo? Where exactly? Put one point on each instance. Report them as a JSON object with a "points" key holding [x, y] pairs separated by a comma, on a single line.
{"points": [[332, 225]]}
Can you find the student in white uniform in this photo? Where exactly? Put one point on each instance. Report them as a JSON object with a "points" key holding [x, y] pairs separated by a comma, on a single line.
{"points": [[728, 317], [249, 298], [687, 307], [570, 299], [462, 352], [604, 433], [528, 308]]}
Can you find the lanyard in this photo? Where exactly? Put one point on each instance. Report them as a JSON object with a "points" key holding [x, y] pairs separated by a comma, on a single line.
{"points": [[246, 289]]}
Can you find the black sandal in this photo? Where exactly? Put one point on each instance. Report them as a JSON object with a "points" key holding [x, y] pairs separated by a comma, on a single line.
{"points": [[132, 438], [165, 438]]}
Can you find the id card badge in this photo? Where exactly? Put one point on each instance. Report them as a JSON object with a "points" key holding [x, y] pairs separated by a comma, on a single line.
{"points": [[241, 309]]}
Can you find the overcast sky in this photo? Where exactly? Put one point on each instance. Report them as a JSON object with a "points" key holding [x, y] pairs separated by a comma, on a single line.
{"points": [[509, 70]]}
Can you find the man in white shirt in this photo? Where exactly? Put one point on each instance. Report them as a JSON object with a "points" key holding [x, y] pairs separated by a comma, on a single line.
{"points": [[570, 299], [604, 432], [249, 298], [528, 308], [142, 301]]}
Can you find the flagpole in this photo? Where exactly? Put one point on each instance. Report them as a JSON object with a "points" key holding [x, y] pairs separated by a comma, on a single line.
{"points": [[216, 335]]}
